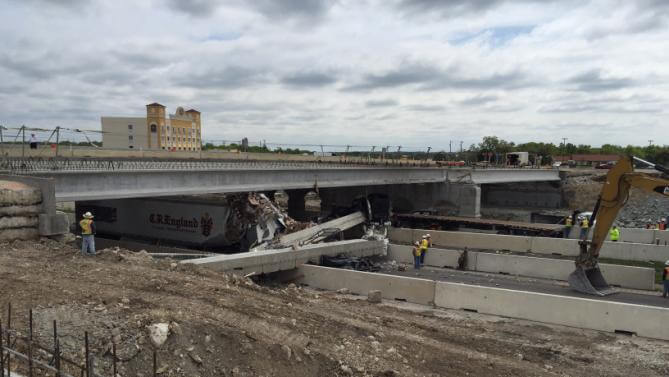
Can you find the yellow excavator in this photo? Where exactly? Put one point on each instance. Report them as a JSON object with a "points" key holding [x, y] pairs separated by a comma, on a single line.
{"points": [[587, 277]]}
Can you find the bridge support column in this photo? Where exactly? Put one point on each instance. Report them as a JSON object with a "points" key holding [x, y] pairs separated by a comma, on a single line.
{"points": [[470, 200], [296, 207]]}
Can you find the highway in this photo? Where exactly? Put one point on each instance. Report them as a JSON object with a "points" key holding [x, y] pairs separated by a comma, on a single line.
{"points": [[553, 287]]}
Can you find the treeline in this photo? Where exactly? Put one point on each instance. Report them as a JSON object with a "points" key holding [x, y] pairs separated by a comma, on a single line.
{"points": [[253, 148], [496, 146]]}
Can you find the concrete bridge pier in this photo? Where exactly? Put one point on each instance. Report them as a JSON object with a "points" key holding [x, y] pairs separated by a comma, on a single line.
{"points": [[463, 199]]}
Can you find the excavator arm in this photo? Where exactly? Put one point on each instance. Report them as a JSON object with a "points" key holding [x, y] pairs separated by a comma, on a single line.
{"points": [[587, 277]]}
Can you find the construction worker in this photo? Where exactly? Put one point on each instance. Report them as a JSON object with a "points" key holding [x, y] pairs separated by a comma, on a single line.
{"points": [[416, 255], [568, 223], [87, 234], [424, 244], [615, 234], [585, 226], [665, 279]]}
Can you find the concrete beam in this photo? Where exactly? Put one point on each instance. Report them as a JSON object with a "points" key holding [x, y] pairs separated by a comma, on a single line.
{"points": [[419, 291], [600, 315], [343, 223], [120, 184], [267, 261]]}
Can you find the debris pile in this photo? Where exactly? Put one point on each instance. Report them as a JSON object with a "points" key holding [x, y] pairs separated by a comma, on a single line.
{"points": [[256, 219]]}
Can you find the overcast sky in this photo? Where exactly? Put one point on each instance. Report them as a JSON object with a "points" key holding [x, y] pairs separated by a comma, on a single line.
{"points": [[415, 73]]}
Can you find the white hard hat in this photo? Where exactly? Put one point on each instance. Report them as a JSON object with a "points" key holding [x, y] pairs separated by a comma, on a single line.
{"points": [[88, 215], [416, 243], [424, 236], [666, 263], [428, 235]]}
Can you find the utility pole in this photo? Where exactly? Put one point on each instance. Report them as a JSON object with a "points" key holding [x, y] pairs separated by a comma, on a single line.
{"points": [[450, 150], [461, 146], [650, 143], [23, 144]]}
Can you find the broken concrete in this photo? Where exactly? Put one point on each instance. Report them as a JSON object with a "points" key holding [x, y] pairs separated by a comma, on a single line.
{"points": [[267, 261]]}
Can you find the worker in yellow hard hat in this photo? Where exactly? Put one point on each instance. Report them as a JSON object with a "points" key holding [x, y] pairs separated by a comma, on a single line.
{"points": [[585, 227], [416, 252], [568, 224]]}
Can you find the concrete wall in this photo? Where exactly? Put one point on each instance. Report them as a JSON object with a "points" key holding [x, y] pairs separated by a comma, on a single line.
{"points": [[526, 195], [559, 269], [600, 315], [449, 198], [419, 291], [633, 235], [546, 268], [462, 239], [538, 245]]}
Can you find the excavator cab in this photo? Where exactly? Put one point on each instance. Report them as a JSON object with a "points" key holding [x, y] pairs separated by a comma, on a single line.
{"points": [[587, 277]]}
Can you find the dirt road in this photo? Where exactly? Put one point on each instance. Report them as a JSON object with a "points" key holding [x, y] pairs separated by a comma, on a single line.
{"points": [[229, 326]]}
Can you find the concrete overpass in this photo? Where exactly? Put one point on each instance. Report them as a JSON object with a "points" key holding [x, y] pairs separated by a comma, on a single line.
{"points": [[80, 180]]}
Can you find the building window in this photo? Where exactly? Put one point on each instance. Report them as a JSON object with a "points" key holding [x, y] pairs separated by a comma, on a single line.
{"points": [[154, 128], [130, 127], [130, 146], [130, 137]]}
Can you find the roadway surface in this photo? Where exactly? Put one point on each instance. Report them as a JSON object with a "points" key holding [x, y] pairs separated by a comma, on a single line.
{"points": [[553, 287]]}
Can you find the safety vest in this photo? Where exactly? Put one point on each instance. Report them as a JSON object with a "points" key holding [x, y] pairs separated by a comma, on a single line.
{"points": [[568, 222], [584, 223], [615, 234], [85, 225], [416, 251], [424, 244]]}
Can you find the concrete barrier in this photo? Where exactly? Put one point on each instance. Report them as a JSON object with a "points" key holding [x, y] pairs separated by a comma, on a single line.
{"points": [[463, 239], [538, 245], [646, 321], [267, 261], [559, 269], [419, 291], [546, 268], [435, 257]]}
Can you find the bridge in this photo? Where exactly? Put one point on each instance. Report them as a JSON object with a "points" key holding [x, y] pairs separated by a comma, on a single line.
{"points": [[94, 179]]}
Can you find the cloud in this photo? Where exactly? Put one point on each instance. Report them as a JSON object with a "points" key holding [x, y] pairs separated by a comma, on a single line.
{"points": [[425, 77], [195, 8], [309, 79], [381, 103], [448, 6], [232, 77], [304, 10], [594, 80], [428, 108], [478, 100], [293, 8]]}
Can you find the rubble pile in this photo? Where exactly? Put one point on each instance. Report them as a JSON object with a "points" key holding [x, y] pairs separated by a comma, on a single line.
{"points": [[19, 210], [643, 208], [256, 213], [581, 192]]}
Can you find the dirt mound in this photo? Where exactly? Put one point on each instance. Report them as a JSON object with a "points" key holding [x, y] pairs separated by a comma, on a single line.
{"points": [[223, 325]]}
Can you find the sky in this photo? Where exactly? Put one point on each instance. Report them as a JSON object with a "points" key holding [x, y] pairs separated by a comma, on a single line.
{"points": [[410, 73]]}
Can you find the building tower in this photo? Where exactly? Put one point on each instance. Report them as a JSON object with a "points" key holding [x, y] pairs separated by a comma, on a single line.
{"points": [[155, 121]]}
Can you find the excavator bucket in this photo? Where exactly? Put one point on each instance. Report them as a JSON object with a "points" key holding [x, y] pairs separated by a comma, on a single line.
{"points": [[590, 281]]}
